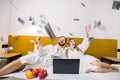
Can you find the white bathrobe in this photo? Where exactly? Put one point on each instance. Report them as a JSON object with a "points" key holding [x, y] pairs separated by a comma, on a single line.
{"points": [[85, 60], [42, 56]]}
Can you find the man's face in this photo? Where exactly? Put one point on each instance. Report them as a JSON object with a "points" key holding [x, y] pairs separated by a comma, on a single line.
{"points": [[61, 41]]}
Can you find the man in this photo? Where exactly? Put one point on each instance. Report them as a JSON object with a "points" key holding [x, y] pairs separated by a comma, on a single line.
{"points": [[41, 55]]}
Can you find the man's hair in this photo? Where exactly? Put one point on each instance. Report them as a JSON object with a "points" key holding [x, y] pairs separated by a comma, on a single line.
{"points": [[64, 37]]}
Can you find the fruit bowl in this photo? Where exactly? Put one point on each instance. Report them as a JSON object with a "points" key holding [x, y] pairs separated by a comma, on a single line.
{"points": [[37, 72]]}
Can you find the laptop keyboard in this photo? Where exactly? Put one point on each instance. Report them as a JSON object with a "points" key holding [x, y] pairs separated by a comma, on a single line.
{"points": [[67, 77]]}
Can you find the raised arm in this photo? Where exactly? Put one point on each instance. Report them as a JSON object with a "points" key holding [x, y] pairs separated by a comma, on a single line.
{"points": [[38, 49], [85, 43], [37, 46], [87, 29]]}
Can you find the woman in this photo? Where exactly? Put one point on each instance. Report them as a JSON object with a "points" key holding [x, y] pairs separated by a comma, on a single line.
{"points": [[87, 63]]}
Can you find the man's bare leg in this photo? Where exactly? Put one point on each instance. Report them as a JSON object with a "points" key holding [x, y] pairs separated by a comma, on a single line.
{"points": [[13, 66]]}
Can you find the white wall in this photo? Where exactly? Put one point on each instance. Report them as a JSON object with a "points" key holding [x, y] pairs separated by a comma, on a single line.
{"points": [[5, 15], [60, 13]]}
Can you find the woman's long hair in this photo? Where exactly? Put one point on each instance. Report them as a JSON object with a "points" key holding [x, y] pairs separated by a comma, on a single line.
{"points": [[68, 44]]}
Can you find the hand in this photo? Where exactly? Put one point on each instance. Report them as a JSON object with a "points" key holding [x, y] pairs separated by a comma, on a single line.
{"points": [[38, 39], [87, 29]]}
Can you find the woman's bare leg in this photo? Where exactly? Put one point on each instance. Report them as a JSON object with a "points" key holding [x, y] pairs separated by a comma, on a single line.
{"points": [[104, 70], [13, 66], [104, 65]]}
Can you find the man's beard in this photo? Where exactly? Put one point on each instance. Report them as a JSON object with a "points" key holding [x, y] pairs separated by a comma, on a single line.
{"points": [[61, 44]]}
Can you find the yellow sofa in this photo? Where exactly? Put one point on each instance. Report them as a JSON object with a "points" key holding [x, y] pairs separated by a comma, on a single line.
{"points": [[98, 47]]}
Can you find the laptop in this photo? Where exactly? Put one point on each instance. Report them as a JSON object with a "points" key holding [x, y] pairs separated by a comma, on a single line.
{"points": [[66, 66]]}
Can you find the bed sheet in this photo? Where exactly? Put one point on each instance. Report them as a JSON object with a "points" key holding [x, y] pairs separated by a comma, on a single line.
{"points": [[87, 76], [93, 76]]}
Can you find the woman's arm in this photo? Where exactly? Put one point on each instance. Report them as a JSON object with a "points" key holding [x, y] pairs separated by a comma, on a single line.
{"points": [[85, 43], [87, 29]]}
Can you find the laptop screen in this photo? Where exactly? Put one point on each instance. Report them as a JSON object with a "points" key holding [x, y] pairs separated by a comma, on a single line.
{"points": [[66, 66]]}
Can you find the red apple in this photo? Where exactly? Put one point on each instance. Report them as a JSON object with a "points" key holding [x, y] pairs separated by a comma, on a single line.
{"points": [[42, 74], [35, 73]]}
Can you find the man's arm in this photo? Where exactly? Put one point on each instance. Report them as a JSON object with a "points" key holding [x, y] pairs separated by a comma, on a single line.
{"points": [[38, 49]]}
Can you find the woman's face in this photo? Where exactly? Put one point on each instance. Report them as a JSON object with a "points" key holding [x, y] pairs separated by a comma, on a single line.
{"points": [[72, 43]]}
